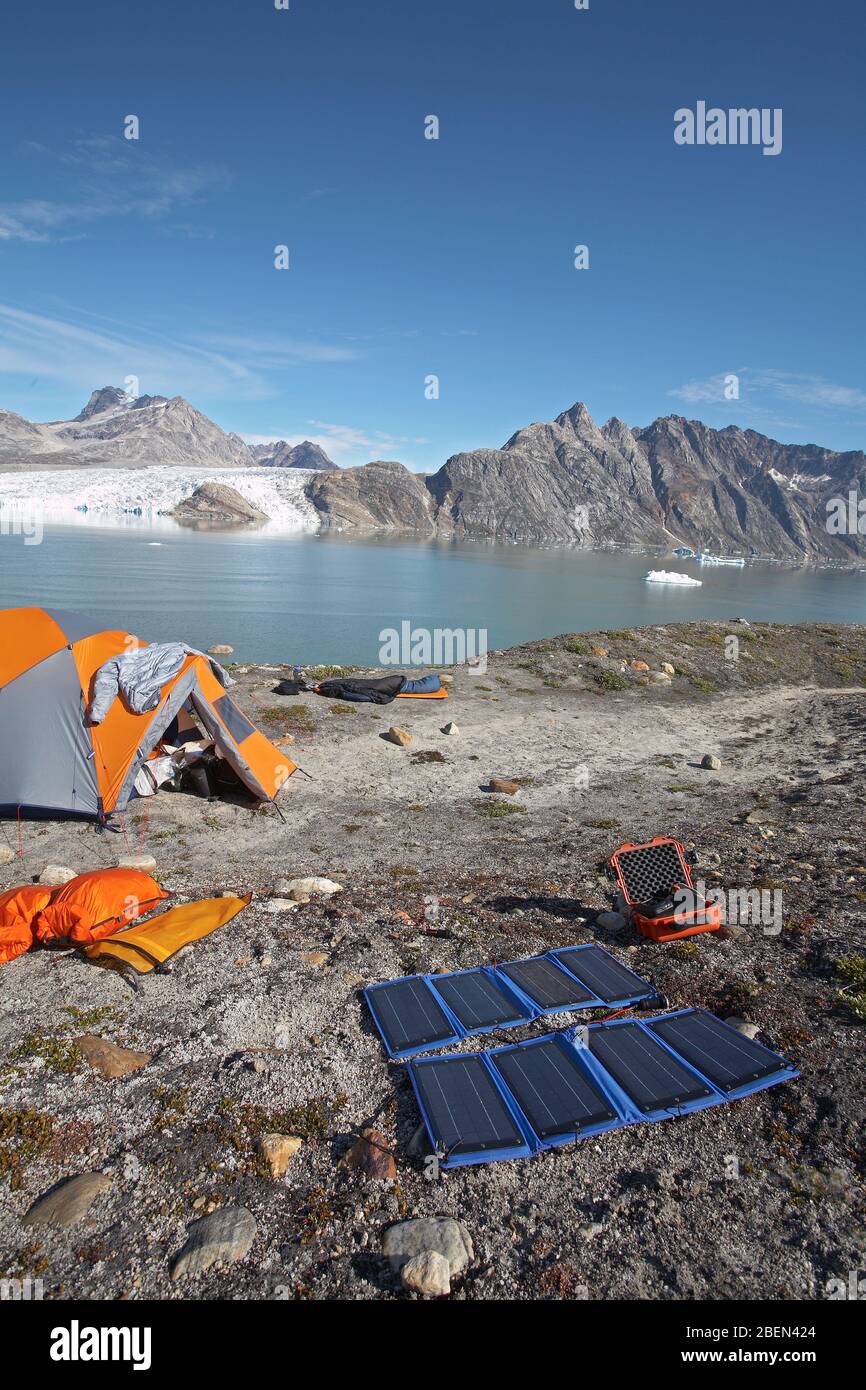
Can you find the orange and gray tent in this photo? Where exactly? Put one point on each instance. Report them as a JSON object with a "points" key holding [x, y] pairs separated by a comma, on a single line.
{"points": [[54, 763]]}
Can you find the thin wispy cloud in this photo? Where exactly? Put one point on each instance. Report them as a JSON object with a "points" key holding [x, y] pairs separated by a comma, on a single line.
{"points": [[268, 350], [104, 177], [80, 353], [375, 445], [346, 444], [758, 389], [811, 390]]}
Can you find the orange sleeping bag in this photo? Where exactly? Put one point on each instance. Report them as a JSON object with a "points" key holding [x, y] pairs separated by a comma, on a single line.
{"points": [[97, 904], [18, 907]]}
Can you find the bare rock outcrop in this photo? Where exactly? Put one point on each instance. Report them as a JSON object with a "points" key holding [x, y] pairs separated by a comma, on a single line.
{"points": [[217, 505], [373, 496]]}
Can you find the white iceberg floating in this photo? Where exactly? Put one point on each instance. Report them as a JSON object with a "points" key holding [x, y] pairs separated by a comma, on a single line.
{"points": [[671, 577], [721, 560]]}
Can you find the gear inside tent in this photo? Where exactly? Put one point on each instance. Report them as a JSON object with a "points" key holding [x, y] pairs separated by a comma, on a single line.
{"points": [[56, 761]]}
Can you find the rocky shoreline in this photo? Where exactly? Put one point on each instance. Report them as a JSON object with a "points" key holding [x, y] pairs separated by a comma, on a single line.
{"points": [[256, 1071]]}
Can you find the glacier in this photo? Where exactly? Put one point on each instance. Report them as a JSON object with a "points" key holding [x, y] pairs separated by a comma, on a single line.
{"points": [[139, 497]]}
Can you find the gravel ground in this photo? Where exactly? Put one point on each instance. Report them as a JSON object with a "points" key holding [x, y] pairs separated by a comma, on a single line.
{"points": [[262, 1026]]}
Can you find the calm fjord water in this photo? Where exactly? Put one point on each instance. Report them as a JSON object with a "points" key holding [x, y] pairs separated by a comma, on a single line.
{"points": [[313, 598]]}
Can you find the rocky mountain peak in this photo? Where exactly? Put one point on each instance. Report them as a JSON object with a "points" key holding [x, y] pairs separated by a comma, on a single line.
{"points": [[104, 398], [309, 455], [577, 419], [281, 454]]}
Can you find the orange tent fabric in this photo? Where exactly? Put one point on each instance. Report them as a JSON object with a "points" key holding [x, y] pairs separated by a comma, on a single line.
{"points": [[54, 763]]}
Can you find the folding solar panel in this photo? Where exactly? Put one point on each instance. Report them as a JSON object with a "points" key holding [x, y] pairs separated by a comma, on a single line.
{"points": [[420, 1012], [409, 1016], [467, 1115], [546, 985], [478, 1001], [603, 974], [649, 1074], [519, 1100], [721, 1054], [550, 1082]]}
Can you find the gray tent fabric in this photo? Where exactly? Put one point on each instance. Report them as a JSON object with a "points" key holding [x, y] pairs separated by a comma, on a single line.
{"points": [[140, 674], [45, 752], [74, 626]]}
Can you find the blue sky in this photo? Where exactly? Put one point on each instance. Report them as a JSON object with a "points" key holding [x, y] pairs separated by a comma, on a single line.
{"points": [[411, 257]]}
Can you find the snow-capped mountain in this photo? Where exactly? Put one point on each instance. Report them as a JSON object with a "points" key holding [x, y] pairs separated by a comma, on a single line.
{"points": [[118, 430], [566, 481], [133, 459]]}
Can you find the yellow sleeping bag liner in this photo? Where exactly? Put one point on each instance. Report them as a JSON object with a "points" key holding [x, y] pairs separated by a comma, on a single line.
{"points": [[149, 944]]}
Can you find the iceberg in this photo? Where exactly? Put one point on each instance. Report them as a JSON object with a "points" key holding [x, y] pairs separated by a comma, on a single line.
{"points": [[671, 577], [704, 559]]}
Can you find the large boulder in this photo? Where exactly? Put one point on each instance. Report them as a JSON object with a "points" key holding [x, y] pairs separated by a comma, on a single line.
{"points": [[218, 505], [442, 1234], [68, 1202], [222, 1237]]}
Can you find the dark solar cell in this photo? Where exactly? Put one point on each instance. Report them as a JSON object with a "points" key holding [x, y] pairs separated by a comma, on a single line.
{"points": [[602, 974], [465, 1111], [644, 1069], [551, 1088], [547, 985], [725, 1056], [409, 1014], [476, 1000]]}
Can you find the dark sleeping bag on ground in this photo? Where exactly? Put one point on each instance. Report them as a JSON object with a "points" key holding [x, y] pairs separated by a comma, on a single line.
{"points": [[379, 691]]}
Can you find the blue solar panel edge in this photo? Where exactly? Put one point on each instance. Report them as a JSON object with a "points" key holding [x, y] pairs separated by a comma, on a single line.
{"points": [[504, 980], [531, 1142], [626, 1111], [527, 1009], [407, 1052], [787, 1071], [647, 993], [625, 1102], [619, 1121]]}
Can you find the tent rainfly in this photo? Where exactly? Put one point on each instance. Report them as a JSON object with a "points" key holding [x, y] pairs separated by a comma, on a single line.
{"points": [[53, 763]]}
